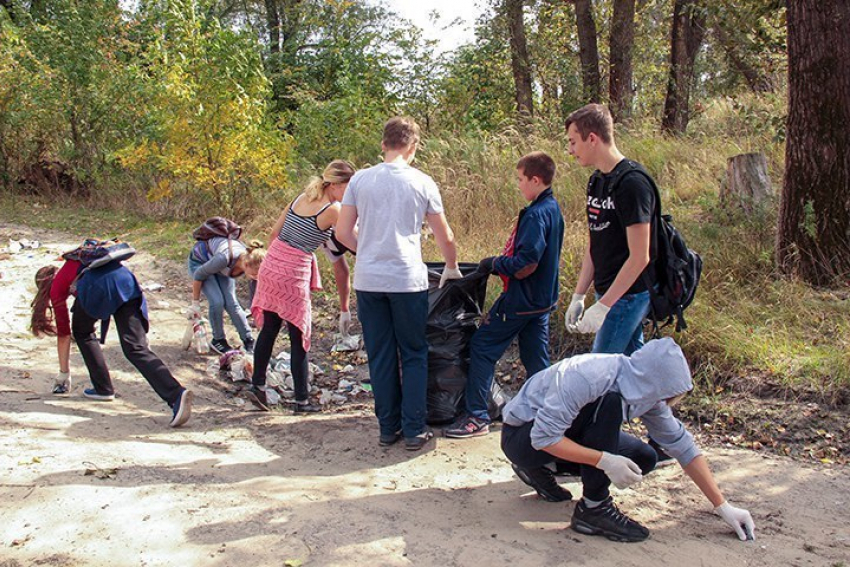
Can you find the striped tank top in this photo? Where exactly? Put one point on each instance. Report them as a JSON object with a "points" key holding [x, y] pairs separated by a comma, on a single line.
{"points": [[304, 233]]}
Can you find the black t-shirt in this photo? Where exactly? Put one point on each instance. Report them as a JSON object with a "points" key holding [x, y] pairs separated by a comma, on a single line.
{"points": [[608, 215]]}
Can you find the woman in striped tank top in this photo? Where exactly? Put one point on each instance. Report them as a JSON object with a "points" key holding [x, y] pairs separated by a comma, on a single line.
{"points": [[289, 274]]}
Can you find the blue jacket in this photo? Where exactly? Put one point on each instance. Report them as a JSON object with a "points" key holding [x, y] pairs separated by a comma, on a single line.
{"points": [[102, 291], [532, 270]]}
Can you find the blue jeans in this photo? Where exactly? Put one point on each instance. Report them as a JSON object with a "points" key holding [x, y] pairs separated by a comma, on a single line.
{"points": [[489, 344], [220, 292], [393, 332], [622, 330]]}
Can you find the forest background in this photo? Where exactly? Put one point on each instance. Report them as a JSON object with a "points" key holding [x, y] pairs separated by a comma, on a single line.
{"points": [[143, 118]]}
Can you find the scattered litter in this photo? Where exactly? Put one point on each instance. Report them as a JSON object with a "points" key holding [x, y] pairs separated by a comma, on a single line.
{"points": [[153, 286], [345, 343], [16, 246], [346, 369], [98, 472], [272, 397]]}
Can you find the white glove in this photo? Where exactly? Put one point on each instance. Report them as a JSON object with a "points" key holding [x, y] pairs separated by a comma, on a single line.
{"points": [[62, 383], [344, 322], [622, 471], [574, 311], [194, 311], [739, 519], [593, 318], [450, 274]]}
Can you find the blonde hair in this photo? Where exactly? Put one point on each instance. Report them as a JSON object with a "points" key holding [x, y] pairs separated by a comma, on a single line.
{"points": [[255, 253], [337, 171]]}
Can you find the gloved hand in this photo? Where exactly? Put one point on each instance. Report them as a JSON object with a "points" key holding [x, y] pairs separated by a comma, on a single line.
{"points": [[450, 274], [592, 318], [344, 322], [194, 311], [739, 519], [574, 311], [62, 383], [487, 265], [622, 471]]}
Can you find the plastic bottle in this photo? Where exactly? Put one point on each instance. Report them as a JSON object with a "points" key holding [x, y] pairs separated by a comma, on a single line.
{"points": [[200, 333]]}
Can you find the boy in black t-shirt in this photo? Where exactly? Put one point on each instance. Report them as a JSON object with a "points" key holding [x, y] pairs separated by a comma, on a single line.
{"points": [[620, 246]]}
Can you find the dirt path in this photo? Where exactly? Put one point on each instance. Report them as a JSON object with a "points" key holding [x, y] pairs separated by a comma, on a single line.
{"points": [[239, 488]]}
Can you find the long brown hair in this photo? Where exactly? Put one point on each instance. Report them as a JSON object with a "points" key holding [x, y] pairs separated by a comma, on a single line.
{"points": [[41, 323]]}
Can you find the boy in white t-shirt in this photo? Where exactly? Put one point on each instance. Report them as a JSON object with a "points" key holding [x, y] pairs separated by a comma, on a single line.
{"points": [[389, 203]]}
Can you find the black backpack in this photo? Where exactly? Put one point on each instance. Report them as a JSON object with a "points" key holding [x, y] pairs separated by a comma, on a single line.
{"points": [[677, 267]]}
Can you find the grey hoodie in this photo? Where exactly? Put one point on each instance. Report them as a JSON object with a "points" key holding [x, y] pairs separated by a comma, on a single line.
{"points": [[553, 397]]}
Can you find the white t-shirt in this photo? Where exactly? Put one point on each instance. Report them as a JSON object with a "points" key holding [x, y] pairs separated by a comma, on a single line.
{"points": [[392, 200]]}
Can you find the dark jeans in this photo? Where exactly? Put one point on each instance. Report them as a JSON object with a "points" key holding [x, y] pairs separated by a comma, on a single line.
{"points": [[394, 336], [132, 333], [597, 426], [299, 362], [489, 344]]}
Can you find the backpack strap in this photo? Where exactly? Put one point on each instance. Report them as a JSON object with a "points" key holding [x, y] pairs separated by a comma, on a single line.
{"points": [[634, 167]]}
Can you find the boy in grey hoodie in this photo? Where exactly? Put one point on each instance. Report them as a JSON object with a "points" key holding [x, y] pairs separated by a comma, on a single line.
{"points": [[572, 412]]}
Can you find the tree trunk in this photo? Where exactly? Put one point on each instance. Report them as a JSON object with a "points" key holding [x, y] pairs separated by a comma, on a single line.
{"points": [[622, 41], [273, 24], [757, 81], [688, 31], [519, 58], [813, 237], [588, 51], [747, 183]]}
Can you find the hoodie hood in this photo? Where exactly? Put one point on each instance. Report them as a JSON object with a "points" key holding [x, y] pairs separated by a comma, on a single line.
{"points": [[657, 371]]}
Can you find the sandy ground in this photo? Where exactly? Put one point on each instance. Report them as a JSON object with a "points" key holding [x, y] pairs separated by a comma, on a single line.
{"points": [[237, 487]]}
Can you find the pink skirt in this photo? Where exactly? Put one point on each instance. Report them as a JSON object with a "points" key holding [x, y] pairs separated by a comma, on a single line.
{"points": [[287, 277]]}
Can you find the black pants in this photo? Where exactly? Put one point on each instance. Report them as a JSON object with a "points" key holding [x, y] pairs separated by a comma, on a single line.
{"points": [[272, 324], [597, 426], [132, 332]]}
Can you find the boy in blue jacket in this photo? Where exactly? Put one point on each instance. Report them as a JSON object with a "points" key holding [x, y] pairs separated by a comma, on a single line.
{"points": [[528, 267]]}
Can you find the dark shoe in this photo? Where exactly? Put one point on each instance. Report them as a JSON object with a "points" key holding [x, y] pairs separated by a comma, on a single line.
{"points": [[257, 397], [307, 407], [220, 346], [663, 458], [608, 521], [543, 481], [248, 346], [182, 409], [416, 443], [387, 439], [92, 394], [468, 426]]}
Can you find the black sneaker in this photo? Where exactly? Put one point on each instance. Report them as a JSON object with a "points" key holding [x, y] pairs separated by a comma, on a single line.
{"points": [[182, 409], [416, 443], [220, 346], [257, 397], [307, 407], [607, 520], [543, 481], [248, 346], [387, 439], [663, 458]]}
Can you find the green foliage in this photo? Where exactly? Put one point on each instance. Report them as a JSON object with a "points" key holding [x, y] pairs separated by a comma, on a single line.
{"points": [[72, 90], [209, 131]]}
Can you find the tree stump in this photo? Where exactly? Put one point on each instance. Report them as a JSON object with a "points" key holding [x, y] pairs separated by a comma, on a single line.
{"points": [[747, 182]]}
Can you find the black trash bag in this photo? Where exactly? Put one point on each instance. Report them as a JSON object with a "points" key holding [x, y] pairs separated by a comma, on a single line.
{"points": [[453, 316]]}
